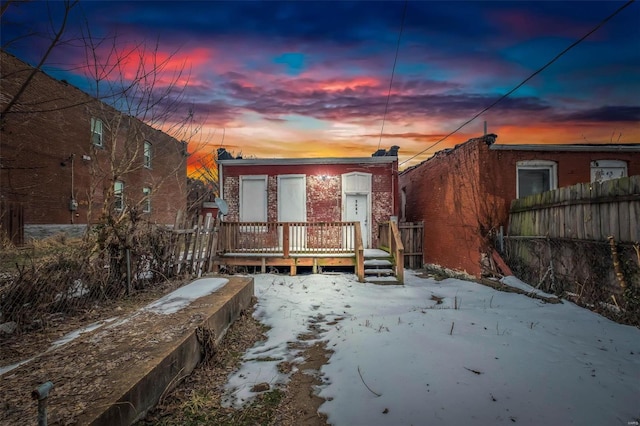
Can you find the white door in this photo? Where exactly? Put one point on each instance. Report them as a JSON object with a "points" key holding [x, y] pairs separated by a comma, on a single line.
{"points": [[292, 207], [357, 210]]}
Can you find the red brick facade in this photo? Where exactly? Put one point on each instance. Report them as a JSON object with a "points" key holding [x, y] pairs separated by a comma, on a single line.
{"points": [[463, 194], [323, 185], [48, 157]]}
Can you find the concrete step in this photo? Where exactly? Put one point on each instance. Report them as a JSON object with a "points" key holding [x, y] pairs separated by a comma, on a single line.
{"points": [[112, 375]]}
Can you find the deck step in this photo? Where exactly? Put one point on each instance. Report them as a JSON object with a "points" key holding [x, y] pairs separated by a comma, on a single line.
{"points": [[390, 280], [379, 271], [378, 262]]}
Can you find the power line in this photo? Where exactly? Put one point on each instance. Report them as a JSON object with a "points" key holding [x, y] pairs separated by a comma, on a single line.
{"points": [[393, 70], [571, 46]]}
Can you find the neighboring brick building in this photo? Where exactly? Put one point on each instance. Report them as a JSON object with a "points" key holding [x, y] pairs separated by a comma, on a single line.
{"points": [[312, 190], [463, 194], [63, 153]]}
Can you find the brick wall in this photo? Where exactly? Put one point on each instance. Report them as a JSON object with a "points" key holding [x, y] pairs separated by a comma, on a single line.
{"points": [[464, 193], [48, 156], [323, 186]]}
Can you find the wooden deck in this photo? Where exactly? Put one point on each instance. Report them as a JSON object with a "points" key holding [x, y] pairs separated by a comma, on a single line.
{"points": [[304, 244], [290, 244]]}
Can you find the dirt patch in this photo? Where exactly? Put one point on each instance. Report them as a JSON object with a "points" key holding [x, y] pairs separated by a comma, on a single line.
{"points": [[20, 346], [198, 399], [300, 404]]}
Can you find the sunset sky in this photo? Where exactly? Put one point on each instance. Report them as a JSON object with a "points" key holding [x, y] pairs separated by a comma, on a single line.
{"points": [[311, 79]]}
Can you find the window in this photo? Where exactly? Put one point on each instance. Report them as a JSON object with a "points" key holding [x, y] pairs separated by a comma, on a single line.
{"points": [[146, 200], [602, 170], [535, 176], [147, 154], [96, 131], [118, 195], [253, 198]]}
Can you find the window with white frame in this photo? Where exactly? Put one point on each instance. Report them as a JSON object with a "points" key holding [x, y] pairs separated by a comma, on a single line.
{"points": [[118, 195], [146, 200], [147, 154], [602, 170], [253, 198], [96, 131], [535, 176]]}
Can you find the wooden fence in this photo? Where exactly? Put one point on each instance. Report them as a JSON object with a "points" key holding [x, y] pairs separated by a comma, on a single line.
{"points": [[587, 211], [580, 240], [412, 234], [12, 222], [193, 245]]}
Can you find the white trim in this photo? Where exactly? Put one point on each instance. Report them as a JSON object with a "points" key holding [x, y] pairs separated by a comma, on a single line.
{"points": [[244, 178], [96, 124], [118, 195], [552, 166], [295, 161], [609, 169], [366, 190], [146, 159], [146, 203], [304, 194], [568, 147]]}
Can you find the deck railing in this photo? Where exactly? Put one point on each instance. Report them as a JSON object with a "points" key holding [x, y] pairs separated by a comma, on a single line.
{"points": [[390, 240], [288, 238]]}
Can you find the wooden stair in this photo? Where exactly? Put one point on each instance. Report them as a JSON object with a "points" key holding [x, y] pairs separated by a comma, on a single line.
{"points": [[379, 268]]}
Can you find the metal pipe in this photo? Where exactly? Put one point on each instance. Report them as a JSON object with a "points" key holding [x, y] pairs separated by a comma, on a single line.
{"points": [[41, 393]]}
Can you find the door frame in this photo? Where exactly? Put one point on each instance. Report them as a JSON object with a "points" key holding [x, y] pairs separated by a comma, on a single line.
{"points": [[304, 194], [358, 183], [299, 232]]}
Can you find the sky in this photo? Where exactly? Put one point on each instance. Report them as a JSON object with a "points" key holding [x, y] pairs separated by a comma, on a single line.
{"points": [[314, 79]]}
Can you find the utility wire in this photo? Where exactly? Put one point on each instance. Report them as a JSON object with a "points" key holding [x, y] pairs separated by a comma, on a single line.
{"points": [[393, 70], [574, 44]]}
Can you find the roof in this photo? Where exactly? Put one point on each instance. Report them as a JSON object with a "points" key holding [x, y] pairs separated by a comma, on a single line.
{"points": [[303, 161], [570, 147], [490, 139]]}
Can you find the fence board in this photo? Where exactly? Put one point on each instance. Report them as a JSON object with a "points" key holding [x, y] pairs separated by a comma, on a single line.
{"points": [[591, 211], [412, 234]]}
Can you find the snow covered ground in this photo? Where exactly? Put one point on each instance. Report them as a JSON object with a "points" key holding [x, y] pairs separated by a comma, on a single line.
{"points": [[469, 355]]}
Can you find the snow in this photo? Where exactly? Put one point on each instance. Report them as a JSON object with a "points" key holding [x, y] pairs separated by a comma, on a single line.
{"points": [[69, 337], [500, 358], [178, 299], [514, 282], [168, 304]]}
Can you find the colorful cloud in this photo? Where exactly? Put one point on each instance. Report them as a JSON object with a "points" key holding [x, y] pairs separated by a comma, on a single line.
{"points": [[291, 79]]}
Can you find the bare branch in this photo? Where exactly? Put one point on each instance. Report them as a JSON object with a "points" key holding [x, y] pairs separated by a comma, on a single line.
{"points": [[68, 6]]}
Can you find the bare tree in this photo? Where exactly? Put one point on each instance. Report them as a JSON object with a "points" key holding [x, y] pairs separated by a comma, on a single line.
{"points": [[55, 39]]}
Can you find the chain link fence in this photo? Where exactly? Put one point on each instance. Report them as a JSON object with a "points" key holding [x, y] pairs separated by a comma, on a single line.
{"points": [[59, 277]]}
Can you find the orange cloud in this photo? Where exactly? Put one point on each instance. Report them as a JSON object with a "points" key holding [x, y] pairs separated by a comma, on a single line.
{"points": [[345, 84]]}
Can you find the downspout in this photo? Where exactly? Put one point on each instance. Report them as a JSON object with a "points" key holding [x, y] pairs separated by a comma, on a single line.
{"points": [[220, 181]]}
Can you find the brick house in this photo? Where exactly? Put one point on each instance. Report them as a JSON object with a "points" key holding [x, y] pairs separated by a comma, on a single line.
{"points": [[361, 189], [63, 153], [463, 194]]}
